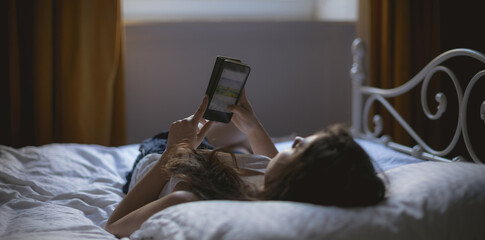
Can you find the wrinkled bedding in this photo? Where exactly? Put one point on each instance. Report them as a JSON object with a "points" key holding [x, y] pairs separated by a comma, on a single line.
{"points": [[60, 191], [68, 191]]}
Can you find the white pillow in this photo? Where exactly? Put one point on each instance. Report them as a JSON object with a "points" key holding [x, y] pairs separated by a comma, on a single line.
{"points": [[427, 200]]}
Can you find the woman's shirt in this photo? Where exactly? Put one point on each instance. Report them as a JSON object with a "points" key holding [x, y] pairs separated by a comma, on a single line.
{"points": [[251, 162]]}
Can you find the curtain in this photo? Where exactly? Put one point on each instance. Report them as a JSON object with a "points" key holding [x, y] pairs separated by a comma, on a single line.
{"points": [[64, 79], [400, 37]]}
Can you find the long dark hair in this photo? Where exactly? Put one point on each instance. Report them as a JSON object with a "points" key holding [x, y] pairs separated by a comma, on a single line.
{"points": [[333, 171], [209, 176]]}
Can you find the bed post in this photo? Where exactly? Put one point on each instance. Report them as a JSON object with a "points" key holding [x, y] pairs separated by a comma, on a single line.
{"points": [[357, 74]]}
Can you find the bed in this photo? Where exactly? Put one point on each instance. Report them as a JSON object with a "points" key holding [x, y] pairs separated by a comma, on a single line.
{"points": [[67, 191]]}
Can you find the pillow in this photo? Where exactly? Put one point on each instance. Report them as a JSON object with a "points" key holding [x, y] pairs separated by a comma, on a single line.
{"points": [[384, 158], [428, 200]]}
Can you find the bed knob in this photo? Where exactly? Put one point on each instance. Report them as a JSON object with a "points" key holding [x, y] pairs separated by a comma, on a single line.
{"points": [[417, 151], [458, 159], [358, 51], [385, 139], [358, 48]]}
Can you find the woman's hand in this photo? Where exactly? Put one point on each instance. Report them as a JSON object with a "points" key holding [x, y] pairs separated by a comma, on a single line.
{"points": [[187, 130], [247, 122], [243, 115]]}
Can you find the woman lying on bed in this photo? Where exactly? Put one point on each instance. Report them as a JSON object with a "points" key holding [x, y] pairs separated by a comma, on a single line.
{"points": [[327, 168]]}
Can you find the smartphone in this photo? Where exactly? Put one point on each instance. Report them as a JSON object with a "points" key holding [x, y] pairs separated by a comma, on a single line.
{"points": [[228, 78]]}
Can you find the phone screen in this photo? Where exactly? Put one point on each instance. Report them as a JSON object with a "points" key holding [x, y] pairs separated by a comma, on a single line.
{"points": [[228, 89]]}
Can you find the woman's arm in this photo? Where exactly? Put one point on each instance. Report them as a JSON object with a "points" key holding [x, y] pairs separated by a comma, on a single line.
{"points": [[144, 192], [245, 119], [142, 201], [261, 142], [131, 222]]}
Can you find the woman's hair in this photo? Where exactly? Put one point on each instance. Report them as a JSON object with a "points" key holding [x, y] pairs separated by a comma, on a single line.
{"points": [[333, 171], [209, 177]]}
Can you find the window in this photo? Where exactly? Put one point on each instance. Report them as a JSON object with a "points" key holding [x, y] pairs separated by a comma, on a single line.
{"points": [[239, 10]]}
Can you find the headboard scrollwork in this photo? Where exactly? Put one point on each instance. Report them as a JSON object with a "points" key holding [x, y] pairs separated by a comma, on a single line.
{"points": [[363, 97]]}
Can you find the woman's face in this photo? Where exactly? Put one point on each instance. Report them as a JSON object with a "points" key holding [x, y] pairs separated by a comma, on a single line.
{"points": [[283, 158]]}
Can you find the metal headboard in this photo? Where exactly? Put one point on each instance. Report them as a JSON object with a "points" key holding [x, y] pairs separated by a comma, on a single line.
{"points": [[363, 97]]}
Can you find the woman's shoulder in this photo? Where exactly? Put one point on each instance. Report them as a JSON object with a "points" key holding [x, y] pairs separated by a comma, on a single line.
{"points": [[142, 168], [148, 160]]}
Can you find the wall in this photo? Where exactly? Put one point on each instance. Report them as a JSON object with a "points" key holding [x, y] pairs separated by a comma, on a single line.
{"points": [[299, 81]]}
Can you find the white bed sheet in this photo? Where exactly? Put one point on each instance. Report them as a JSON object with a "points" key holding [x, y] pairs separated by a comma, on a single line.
{"points": [[61, 191], [67, 191]]}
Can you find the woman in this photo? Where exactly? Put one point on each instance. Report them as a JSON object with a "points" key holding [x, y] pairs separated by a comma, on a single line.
{"points": [[327, 168]]}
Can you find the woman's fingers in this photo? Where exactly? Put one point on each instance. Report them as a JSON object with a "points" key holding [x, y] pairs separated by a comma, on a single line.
{"points": [[236, 109], [243, 96], [203, 131], [200, 111], [203, 121], [192, 129]]}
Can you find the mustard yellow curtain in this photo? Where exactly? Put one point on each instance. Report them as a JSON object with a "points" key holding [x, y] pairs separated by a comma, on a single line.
{"points": [[64, 80], [401, 37]]}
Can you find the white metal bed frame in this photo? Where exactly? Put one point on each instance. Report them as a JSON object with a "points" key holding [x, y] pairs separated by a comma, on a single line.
{"points": [[364, 96]]}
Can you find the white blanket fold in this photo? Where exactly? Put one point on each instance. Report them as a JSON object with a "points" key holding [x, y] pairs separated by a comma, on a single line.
{"points": [[60, 191]]}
